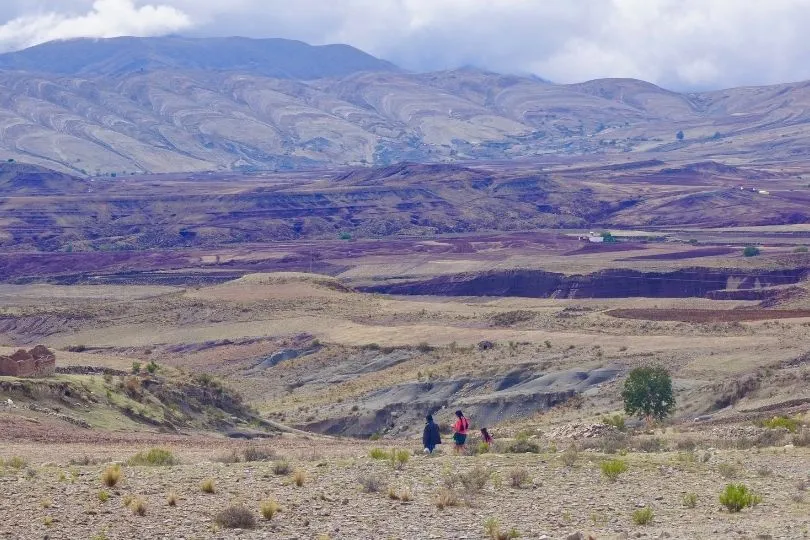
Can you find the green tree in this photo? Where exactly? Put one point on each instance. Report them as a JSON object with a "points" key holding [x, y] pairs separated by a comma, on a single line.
{"points": [[648, 393], [751, 251], [679, 135]]}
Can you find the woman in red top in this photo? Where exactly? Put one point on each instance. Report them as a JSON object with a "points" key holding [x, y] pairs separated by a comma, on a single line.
{"points": [[460, 431]]}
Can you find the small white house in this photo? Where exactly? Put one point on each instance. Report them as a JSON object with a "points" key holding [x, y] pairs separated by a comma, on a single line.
{"points": [[595, 238]]}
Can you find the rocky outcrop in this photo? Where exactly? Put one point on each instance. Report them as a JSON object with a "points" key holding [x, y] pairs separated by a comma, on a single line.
{"points": [[38, 362], [612, 283]]}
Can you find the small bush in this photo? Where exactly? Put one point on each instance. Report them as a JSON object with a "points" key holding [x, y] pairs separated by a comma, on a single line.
{"points": [[727, 470], [482, 448], [523, 447], [445, 498], [269, 508], [399, 458], [569, 457], [379, 453], [735, 497], [253, 453], [371, 483], [103, 496], [782, 422], [800, 249], [111, 475], [16, 462], [424, 347], [171, 499], [208, 486], [492, 529], [751, 251], [643, 516], [649, 445], [228, 457], [518, 477], [236, 517], [690, 500], [611, 469], [155, 457], [281, 468], [616, 420], [473, 480], [802, 438], [403, 494], [138, 506], [299, 477]]}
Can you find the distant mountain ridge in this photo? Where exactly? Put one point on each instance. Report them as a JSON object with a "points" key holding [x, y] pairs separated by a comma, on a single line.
{"points": [[130, 105], [273, 57]]}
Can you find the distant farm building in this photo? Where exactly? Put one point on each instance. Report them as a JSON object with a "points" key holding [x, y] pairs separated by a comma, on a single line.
{"points": [[38, 362]]}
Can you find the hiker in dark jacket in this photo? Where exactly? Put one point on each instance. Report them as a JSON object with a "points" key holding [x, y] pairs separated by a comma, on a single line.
{"points": [[431, 436]]}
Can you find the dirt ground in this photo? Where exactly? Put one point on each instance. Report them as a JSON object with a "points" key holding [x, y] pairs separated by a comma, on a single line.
{"points": [[51, 497]]}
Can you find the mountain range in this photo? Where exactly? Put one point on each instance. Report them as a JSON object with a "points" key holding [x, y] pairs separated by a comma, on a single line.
{"points": [[102, 107]]}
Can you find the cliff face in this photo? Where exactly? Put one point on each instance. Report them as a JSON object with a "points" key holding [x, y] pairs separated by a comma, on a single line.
{"points": [[614, 283]]}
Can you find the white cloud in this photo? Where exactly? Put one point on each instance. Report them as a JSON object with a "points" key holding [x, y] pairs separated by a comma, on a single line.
{"points": [[676, 43], [106, 18]]}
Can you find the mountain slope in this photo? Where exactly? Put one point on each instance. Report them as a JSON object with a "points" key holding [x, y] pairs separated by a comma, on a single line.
{"points": [[278, 58], [127, 105]]}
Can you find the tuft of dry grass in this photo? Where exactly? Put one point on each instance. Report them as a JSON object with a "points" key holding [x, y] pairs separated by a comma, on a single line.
{"points": [[299, 477], [207, 486], [138, 506], [269, 508], [111, 475], [445, 498], [281, 468], [171, 499]]}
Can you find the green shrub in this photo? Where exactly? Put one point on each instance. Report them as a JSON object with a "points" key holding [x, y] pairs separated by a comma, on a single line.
{"points": [[616, 420], [379, 453], [136, 368], [155, 457], [103, 496], [399, 458], [648, 392], [751, 251], [690, 500], [236, 517], [492, 530], [781, 422], [15, 462], [643, 516], [523, 446], [613, 468], [735, 497]]}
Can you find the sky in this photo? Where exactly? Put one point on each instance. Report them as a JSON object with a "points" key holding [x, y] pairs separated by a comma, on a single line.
{"points": [[679, 44]]}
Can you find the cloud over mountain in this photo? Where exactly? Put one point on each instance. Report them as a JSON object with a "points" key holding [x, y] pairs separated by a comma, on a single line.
{"points": [[105, 18], [681, 44]]}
